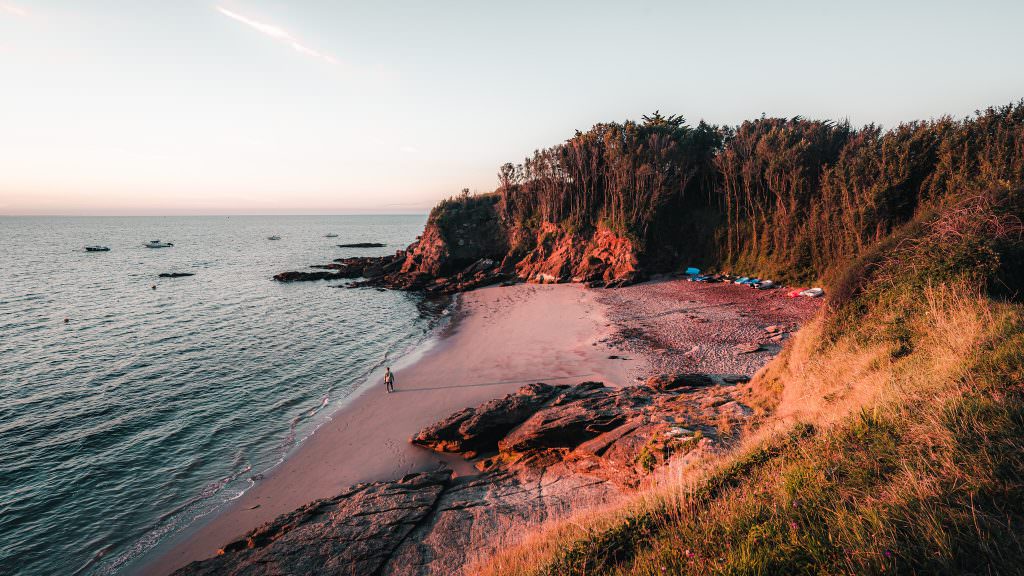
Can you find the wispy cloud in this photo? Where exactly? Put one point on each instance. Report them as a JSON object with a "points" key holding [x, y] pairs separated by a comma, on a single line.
{"points": [[13, 9], [277, 33], [408, 149]]}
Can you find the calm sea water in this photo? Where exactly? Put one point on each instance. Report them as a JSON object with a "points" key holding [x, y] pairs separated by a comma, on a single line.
{"points": [[150, 408]]}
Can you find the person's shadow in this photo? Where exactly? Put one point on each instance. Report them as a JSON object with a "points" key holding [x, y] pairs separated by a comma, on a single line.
{"points": [[495, 383]]}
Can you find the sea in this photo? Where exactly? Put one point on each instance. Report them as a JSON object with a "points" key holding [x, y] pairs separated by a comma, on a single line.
{"points": [[132, 407]]}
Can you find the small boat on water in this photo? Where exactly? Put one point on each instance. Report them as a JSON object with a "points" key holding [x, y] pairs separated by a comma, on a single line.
{"points": [[158, 244], [97, 249], [331, 235], [275, 237]]}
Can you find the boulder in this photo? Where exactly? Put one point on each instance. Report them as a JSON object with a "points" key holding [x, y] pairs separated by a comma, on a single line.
{"points": [[679, 381], [307, 276], [478, 430], [747, 348], [578, 414], [735, 410]]}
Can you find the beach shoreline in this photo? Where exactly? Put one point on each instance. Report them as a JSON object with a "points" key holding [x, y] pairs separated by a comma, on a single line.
{"points": [[499, 339]]}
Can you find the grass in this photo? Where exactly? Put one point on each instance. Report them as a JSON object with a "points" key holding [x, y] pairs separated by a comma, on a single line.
{"points": [[890, 440]]}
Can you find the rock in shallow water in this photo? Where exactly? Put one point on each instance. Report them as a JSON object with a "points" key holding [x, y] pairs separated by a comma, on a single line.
{"points": [[307, 276]]}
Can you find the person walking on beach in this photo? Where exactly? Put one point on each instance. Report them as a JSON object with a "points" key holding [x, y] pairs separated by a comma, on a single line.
{"points": [[389, 380]]}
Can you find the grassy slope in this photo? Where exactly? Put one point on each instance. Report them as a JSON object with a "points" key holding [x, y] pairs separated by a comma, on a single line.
{"points": [[891, 440]]}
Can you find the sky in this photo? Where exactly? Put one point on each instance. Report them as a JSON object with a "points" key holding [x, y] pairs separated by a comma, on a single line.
{"points": [[268, 106]]}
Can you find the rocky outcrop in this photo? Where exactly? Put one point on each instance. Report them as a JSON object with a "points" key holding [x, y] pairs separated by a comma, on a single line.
{"points": [[617, 434], [307, 276], [602, 258], [356, 532], [458, 234], [668, 382], [543, 452], [467, 245], [348, 268], [477, 430], [476, 515], [423, 524]]}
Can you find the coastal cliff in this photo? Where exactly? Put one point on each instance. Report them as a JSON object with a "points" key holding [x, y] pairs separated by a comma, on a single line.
{"points": [[884, 438], [793, 200], [467, 244]]}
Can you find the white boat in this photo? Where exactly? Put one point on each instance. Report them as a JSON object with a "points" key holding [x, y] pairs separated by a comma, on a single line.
{"points": [[97, 249], [331, 235], [158, 244], [273, 237]]}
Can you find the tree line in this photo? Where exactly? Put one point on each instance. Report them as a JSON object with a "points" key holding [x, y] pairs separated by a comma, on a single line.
{"points": [[773, 196]]}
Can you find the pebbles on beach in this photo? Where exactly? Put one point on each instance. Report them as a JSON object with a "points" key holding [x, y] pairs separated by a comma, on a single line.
{"points": [[711, 328]]}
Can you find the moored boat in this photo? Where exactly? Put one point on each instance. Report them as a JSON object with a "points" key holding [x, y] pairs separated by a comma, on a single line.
{"points": [[158, 244]]}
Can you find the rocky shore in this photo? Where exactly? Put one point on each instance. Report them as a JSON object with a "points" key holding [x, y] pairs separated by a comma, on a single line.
{"points": [[542, 452], [549, 449], [467, 245]]}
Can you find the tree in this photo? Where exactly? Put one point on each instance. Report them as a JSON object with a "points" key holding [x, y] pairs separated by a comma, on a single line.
{"points": [[507, 175]]}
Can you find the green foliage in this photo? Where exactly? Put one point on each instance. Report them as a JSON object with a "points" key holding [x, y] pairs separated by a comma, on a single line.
{"points": [[463, 208], [868, 497], [929, 479], [802, 197], [792, 199], [622, 176], [601, 550], [925, 483], [646, 459]]}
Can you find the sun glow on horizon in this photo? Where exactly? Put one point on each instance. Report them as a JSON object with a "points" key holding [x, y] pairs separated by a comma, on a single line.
{"points": [[253, 106]]}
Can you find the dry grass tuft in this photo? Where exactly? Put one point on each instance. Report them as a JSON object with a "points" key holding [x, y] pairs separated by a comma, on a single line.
{"points": [[895, 447]]}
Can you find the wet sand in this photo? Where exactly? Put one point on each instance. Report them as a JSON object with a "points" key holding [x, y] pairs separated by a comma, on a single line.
{"points": [[505, 337]]}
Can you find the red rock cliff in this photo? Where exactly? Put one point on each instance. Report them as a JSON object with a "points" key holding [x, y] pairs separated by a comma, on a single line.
{"points": [[465, 240]]}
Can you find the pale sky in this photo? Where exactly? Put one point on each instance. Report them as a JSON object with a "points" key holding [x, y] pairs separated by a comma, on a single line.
{"points": [[268, 106]]}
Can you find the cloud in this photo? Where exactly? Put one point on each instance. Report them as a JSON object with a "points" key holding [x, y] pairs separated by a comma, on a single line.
{"points": [[277, 33], [408, 149], [13, 9]]}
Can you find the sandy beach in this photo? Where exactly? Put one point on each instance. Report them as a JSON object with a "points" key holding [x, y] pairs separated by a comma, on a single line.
{"points": [[501, 339], [504, 337]]}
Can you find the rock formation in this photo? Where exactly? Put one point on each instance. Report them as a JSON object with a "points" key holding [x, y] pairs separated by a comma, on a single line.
{"points": [[356, 532], [348, 268], [467, 245], [542, 452]]}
